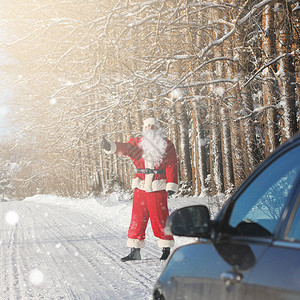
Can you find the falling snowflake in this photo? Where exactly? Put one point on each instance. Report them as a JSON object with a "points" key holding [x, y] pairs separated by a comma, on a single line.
{"points": [[53, 101], [12, 218], [176, 94], [36, 277], [220, 91], [202, 142]]}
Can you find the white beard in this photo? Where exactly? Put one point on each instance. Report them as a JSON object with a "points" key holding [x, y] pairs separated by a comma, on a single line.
{"points": [[154, 146]]}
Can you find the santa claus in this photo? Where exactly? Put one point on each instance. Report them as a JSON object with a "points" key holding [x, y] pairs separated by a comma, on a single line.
{"points": [[156, 177]]}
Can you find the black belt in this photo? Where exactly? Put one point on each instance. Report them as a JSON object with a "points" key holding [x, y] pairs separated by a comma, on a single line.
{"points": [[151, 171]]}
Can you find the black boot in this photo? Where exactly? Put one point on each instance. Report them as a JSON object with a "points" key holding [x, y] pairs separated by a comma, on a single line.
{"points": [[165, 253], [135, 254]]}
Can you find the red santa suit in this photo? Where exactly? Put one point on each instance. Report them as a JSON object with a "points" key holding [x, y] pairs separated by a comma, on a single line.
{"points": [[150, 191]]}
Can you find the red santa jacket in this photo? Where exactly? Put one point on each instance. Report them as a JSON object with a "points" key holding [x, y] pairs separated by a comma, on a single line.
{"points": [[150, 182]]}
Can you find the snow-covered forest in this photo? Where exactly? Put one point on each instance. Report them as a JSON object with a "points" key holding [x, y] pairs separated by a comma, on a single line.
{"points": [[222, 77]]}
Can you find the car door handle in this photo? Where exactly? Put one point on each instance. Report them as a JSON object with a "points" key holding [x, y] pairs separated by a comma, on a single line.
{"points": [[231, 277]]}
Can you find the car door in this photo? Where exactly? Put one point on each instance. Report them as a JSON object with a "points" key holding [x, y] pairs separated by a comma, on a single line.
{"points": [[253, 249], [276, 275], [222, 268], [260, 217]]}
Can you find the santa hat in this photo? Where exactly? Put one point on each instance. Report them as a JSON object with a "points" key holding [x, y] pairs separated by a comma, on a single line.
{"points": [[151, 121]]}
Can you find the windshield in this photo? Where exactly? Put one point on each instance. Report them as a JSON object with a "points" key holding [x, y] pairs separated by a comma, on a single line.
{"points": [[258, 209]]}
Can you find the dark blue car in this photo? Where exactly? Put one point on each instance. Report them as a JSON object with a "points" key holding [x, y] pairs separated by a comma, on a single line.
{"points": [[251, 250]]}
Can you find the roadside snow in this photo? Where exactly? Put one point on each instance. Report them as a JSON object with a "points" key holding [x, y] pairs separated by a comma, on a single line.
{"points": [[61, 248]]}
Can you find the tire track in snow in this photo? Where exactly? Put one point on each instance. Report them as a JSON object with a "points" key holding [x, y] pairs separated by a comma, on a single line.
{"points": [[20, 261], [136, 271], [151, 249], [58, 251], [14, 282], [99, 263], [78, 254], [82, 246]]}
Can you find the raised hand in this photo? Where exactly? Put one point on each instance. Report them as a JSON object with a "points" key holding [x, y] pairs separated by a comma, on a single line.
{"points": [[105, 144]]}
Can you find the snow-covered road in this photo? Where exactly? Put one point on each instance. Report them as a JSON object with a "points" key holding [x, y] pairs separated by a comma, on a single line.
{"points": [[61, 248]]}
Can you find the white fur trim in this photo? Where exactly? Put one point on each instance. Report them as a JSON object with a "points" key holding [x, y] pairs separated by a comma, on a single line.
{"points": [[171, 186], [135, 243], [165, 243], [137, 183], [151, 121], [157, 185], [148, 177], [148, 183], [113, 148]]}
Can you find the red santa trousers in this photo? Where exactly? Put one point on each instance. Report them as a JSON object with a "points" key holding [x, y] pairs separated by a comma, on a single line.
{"points": [[147, 205]]}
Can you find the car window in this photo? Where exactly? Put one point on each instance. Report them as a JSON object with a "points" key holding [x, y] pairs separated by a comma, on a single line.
{"points": [[258, 209], [294, 233]]}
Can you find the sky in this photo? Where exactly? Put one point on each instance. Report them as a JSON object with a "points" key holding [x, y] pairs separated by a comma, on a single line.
{"points": [[4, 106], [6, 89]]}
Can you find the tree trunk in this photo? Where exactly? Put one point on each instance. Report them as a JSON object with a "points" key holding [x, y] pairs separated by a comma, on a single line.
{"points": [[296, 51], [227, 151], [216, 164], [286, 72], [270, 87], [185, 155]]}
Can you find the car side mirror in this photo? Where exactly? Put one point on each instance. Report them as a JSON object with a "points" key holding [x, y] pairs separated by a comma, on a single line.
{"points": [[190, 221]]}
